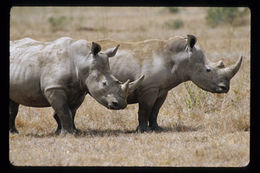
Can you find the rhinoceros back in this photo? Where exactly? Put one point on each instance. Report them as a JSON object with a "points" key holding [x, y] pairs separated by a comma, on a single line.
{"points": [[28, 61]]}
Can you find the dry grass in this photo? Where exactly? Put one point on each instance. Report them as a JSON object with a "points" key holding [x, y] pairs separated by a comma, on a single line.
{"points": [[200, 128]]}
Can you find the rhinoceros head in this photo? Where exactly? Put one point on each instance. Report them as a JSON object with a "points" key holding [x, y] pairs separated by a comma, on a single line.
{"points": [[212, 77], [101, 84]]}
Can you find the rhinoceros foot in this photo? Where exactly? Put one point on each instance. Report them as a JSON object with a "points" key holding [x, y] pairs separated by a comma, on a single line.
{"points": [[156, 128], [13, 130], [58, 131], [143, 128], [64, 132]]}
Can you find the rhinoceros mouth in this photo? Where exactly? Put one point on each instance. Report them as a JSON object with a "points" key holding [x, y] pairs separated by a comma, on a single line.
{"points": [[218, 89], [116, 107], [222, 89]]}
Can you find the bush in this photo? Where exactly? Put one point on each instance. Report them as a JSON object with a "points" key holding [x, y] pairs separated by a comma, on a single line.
{"points": [[173, 9], [59, 23], [196, 96], [174, 24], [223, 15]]}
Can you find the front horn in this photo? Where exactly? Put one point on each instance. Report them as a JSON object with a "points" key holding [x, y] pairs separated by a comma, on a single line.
{"points": [[125, 87], [135, 84], [233, 69]]}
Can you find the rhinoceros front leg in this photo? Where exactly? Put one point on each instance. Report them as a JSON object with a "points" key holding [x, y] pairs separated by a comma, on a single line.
{"points": [[154, 114], [13, 110], [58, 130], [59, 123], [58, 100], [146, 102], [74, 108]]}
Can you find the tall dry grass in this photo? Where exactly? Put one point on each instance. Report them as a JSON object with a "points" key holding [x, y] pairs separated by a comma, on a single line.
{"points": [[200, 128]]}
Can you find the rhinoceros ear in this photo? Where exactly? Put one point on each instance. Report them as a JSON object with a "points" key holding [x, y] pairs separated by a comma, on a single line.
{"points": [[191, 40], [95, 48]]}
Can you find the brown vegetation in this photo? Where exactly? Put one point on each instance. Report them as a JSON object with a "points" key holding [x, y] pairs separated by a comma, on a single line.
{"points": [[200, 128]]}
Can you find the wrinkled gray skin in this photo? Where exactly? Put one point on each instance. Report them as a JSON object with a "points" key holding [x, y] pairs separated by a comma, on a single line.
{"points": [[165, 65], [60, 74]]}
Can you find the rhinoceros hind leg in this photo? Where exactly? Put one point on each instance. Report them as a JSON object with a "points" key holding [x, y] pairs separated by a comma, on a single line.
{"points": [[153, 116], [146, 103], [13, 110]]}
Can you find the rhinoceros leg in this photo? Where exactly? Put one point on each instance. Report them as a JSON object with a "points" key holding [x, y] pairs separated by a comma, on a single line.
{"points": [[13, 110], [74, 109], [73, 118], [153, 116], [58, 130], [146, 102], [58, 100]]}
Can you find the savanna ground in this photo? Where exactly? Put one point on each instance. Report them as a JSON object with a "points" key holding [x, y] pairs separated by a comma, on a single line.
{"points": [[200, 128]]}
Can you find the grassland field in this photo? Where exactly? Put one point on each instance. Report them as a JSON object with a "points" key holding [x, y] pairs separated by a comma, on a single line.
{"points": [[200, 128]]}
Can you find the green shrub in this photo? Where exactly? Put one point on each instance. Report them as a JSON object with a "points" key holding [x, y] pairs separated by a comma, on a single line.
{"points": [[59, 23], [223, 15], [173, 9], [196, 96], [174, 24]]}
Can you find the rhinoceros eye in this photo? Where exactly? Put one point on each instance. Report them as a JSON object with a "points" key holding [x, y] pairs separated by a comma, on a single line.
{"points": [[104, 83]]}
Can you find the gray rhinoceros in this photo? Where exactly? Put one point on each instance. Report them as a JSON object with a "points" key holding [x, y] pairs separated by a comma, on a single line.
{"points": [[166, 64], [60, 74]]}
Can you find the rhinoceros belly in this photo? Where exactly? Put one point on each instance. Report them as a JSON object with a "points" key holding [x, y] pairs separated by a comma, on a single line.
{"points": [[25, 86]]}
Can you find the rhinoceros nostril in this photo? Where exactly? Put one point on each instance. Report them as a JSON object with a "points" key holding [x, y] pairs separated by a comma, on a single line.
{"points": [[223, 88]]}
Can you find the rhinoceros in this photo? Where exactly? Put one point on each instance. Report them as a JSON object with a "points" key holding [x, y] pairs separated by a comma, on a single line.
{"points": [[60, 74], [166, 64]]}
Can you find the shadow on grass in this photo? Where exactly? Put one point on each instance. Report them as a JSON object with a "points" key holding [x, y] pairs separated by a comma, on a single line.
{"points": [[82, 133], [112, 132], [105, 132], [115, 132], [181, 128]]}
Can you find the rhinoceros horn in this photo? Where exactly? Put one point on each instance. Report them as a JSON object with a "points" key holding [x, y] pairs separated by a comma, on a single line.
{"points": [[128, 87], [125, 87], [135, 84], [230, 71]]}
